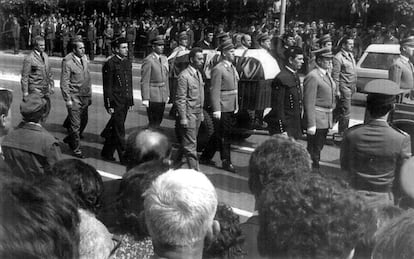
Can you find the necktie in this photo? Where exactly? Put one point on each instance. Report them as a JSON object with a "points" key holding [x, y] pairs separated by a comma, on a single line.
{"points": [[82, 63], [200, 78], [162, 73]]}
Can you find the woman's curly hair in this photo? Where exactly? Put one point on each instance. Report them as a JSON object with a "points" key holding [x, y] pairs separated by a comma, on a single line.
{"points": [[308, 216]]}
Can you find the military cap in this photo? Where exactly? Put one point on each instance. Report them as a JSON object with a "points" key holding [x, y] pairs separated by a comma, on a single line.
{"points": [[325, 38], [31, 104], [323, 52], [118, 41], [226, 45], [409, 41], [263, 36], [183, 36], [382, 92], [159, 40]]}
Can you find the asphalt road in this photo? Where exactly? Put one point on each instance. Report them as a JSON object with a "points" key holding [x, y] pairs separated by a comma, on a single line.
{"points": [[232, 188]]}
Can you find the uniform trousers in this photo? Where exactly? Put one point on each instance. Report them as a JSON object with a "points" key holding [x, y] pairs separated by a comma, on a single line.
{"points": [[220, 140], [115, 136], [344, 109], [315, 145], [155, 113], [77, 120], [188, 139]]}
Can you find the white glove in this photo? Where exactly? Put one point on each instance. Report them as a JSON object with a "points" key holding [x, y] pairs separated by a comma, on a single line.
{"points": [[69, 104], [110, 110], [311, 131], [145, 103], [217, 115]]}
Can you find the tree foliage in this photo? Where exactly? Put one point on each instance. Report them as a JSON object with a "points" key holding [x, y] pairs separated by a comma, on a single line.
{"points": [[15, 5]]}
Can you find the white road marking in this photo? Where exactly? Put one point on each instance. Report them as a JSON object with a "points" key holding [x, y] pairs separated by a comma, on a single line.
{"points": [[109, 175], [97, 89], [243, 213]]}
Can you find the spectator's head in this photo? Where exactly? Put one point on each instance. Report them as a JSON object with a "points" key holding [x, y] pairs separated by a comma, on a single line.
{"points": [[38, 220], [347, 44], [227, 50], [228, 243], [309, 216], [277, 157], [395, 240], [6, 99], [209, 35], [39, 43], [183, 39], [180, 207], [33, 108], [196, 57], [158, 44], [381, 97], [85, 181], [407, 46], [289, 39], [325, 41], [264, 41], [294, 57], [146, 145], [120, 46], [246, 40], [323, 58], [130, 202], [375, 219], [78, 47]]}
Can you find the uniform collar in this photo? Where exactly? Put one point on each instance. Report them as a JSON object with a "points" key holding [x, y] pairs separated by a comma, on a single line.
{"points": [[322, 70], [404, 58], [290, 69], [156, 55]]}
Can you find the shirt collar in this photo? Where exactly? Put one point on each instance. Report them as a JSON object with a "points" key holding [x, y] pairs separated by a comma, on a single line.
{"points": [[37, 52], [227, 62], [119, 57], [208, 44], [290, 69], [78, 58], [156, 55], [193, 69], [323, 71], [404, 58]]}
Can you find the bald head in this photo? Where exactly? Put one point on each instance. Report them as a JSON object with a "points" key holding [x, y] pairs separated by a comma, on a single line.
{"points": [[146, 145]]}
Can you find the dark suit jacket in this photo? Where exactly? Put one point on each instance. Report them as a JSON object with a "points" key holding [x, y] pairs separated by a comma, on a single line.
{"points": [[373, 154], [318, 95], [223, 89], [154, 79], [117, 83], [286, 113]]}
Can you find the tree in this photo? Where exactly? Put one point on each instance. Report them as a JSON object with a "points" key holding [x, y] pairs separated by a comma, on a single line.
{"points": [[12, 6]]}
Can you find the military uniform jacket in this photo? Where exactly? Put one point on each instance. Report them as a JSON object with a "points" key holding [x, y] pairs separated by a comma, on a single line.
{"points": [[36, 74], [344, 70], [401, 72], [286, 104], [117, 83], [190, 95], [223, 89], [373, 154], [318, 99], [154, 78], [75, 79], [30, 150]]}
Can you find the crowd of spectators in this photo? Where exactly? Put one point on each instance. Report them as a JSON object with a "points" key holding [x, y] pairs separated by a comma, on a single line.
{"points": [[99, 29]]}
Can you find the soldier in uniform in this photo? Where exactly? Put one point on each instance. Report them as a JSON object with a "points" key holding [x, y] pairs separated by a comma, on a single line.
{"points": [[36, 74], [75, 84], [154, 83], [30, 150], [118, 98], [372, 153], [345, 77], [319, 101], [286, 114], [224, 103], [190, 101], [402, 70]]}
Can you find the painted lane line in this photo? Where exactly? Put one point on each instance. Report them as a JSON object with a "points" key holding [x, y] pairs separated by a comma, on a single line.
{"points": [[97, 89], [109, 175]]}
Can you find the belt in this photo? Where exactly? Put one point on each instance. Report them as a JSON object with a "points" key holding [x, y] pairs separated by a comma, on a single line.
{"points": [[229, 92], [323, 109], [157, 84]]}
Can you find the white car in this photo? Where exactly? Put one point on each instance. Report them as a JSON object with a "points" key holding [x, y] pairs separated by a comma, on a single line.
{"points": [[375, 62]]}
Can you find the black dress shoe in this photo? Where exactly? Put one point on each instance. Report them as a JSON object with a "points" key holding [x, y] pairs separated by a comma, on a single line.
{"points": [[228, 166], [207, 162], [108, 158], [78, 155], [66, 140]]}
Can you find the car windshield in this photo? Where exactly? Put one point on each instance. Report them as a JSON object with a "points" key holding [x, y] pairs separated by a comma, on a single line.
{"points": [[379, 60]]}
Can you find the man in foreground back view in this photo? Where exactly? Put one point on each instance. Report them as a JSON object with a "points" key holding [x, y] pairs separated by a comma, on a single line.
{"points": [[179, 211]]}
